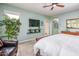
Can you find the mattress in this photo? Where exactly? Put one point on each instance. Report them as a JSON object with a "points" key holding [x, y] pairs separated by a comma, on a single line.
{"points": [[55, 44]]}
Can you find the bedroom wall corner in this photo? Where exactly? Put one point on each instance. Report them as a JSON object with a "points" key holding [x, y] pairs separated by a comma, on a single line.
{"points": [[66, 16]]}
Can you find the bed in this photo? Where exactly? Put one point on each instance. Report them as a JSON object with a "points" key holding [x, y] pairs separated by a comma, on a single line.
{"points": [[64, 44]]}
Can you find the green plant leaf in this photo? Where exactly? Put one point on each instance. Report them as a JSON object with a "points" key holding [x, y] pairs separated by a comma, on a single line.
{"points": [[12, 27]]}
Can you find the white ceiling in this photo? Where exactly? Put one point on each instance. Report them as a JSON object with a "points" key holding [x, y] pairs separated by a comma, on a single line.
{"points": [[38, 8]]}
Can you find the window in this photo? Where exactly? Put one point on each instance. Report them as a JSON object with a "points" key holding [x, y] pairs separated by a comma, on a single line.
{"points": [[11, 14]]}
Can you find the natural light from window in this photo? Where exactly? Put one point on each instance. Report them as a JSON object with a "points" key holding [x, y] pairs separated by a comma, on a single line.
{"points": [[12, 16]]}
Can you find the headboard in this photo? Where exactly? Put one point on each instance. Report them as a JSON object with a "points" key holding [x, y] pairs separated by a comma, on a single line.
{"points": [[71, 33]]}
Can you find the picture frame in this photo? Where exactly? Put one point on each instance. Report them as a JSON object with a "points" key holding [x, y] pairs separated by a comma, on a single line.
{"points": [[72, 23]]}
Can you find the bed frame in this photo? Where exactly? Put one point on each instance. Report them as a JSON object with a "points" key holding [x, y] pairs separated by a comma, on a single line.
{"points": [[64, 32], [70, 33], [38, 52]]}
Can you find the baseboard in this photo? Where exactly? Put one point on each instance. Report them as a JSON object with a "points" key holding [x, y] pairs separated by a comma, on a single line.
{"points": [[26, 40]]}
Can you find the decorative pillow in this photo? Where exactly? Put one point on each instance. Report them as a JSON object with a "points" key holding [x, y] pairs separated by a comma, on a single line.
{"points": [[1, 44]]}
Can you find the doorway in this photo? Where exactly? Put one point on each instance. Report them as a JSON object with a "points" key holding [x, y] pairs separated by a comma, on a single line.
{"points": [[55, 26]]}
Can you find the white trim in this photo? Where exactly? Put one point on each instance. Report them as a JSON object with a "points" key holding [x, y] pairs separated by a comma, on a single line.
{"points": [[12, 12], [26, 40]]}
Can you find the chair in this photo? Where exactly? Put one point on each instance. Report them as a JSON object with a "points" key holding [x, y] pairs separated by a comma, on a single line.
{"points": [[9, 48]]}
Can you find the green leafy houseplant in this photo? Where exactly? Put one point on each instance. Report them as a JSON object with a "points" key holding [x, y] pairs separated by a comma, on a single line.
{"points": [[12, 27]]}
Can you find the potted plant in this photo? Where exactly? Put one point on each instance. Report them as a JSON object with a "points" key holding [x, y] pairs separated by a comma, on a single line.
{"points": [[12, 27]]}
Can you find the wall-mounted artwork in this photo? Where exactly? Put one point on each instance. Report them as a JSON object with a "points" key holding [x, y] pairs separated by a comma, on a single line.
{"points": [[73, 23], [34, 26], [34, 23]]}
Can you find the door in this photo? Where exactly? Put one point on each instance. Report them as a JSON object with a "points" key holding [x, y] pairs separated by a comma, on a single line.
{"points": [[55, 26], [46, 27]]}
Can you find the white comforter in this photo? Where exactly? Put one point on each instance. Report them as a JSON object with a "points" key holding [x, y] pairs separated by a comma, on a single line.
{"points": [[60, 44]]}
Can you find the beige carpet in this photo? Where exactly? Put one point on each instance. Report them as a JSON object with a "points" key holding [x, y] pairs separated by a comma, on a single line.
{"points": [[26, 49]]}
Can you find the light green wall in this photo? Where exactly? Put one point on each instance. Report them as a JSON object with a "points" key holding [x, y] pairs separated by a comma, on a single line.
{"points": [[1, 10], [24, 18], [66, 16]]}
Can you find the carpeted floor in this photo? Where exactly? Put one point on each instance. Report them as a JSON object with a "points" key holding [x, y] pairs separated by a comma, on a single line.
{"points": [[26, 49]]}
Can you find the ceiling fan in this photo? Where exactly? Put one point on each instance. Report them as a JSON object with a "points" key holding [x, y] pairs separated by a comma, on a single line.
{"points": [[53, 5]]}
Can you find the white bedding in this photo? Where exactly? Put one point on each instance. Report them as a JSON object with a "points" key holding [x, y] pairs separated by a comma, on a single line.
{"points": [[56, 45]]}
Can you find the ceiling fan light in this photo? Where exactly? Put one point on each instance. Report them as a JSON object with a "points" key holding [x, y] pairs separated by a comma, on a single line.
{"points": [[54, 5]]}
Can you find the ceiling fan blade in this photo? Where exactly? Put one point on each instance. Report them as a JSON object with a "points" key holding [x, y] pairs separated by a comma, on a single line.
{"points": [[54, 3], [52, 8], [47, 6], [60, 5]]}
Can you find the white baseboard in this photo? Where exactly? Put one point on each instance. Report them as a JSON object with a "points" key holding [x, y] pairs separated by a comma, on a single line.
{"points": [[26, 40]]}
